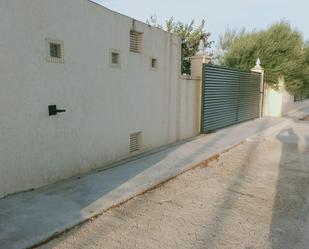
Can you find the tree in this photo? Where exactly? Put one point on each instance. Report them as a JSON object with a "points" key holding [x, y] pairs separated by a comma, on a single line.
{"points": [[281, 50], [305, 90], [225, 42], [190, 37]]}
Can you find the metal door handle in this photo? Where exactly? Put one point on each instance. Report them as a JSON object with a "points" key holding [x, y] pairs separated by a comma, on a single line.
{"points": [[52, 110]]}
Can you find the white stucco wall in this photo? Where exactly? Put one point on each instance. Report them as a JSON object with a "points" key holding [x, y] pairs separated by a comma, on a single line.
{"points": [[278, 102], [272, 102], [289, 105], [104, 104], [190, 107]]}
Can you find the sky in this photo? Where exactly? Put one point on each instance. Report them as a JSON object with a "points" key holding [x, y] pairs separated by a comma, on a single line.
{"points": [[219, 14]]}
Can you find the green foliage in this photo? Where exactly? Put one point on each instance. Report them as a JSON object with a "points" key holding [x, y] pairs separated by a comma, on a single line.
{"points": [[305, 89], [190, 37], [225, 42], [281, 50]]}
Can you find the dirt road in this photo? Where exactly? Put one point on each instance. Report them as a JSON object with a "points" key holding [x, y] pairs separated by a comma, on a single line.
{"points": [[255, 196]]}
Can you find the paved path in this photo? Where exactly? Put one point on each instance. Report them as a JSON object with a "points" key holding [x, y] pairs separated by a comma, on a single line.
{"points": [[255, 196], [29, 218]]}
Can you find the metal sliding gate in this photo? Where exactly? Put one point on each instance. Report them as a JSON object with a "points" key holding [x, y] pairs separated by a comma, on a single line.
{"points": [[229, 96]]}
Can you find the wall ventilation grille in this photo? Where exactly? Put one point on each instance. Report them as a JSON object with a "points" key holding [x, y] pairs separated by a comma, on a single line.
{"points": [[135, 142], [135, 42]]}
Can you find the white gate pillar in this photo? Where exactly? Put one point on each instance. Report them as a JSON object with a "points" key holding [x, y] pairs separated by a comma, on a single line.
{"points": [[198, 60], [258, 69]]}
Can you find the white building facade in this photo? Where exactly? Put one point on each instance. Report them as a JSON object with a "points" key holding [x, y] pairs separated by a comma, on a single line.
{"points": [[117, 79]]}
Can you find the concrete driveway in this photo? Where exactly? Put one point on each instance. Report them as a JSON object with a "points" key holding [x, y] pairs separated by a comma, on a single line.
{"points": [[255, 196]]}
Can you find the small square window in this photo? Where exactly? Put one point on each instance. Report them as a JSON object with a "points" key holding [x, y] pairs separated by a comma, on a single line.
{"points": [[114, 58], [55, 51], [154, 64]]}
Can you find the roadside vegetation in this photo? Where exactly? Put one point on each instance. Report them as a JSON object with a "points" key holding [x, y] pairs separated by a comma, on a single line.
{"points": [[190, 35], [281, 49]]}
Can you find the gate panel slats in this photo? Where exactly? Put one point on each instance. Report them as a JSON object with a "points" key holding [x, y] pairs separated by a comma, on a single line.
{"points": [[229, 96]]}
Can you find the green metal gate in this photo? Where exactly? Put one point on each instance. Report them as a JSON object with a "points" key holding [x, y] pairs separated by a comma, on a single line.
{"points": [[229, 96]]}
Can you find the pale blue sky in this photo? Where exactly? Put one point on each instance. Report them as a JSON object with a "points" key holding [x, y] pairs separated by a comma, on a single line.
{"points": [[219, 14]]}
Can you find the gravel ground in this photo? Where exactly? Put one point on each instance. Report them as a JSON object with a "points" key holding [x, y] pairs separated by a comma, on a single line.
{"points": [[255, 196]]}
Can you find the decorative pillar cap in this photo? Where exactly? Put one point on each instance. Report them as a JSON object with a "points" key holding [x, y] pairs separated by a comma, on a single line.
{"points": [[258, 62], [201, 48], [258, 67]]}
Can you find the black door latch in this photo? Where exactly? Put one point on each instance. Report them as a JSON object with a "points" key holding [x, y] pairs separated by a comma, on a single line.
{"points": [[52, 110]]}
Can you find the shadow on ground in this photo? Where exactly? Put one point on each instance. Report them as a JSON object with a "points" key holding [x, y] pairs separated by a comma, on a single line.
{"points": [[256, 201], [291, 207]]}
